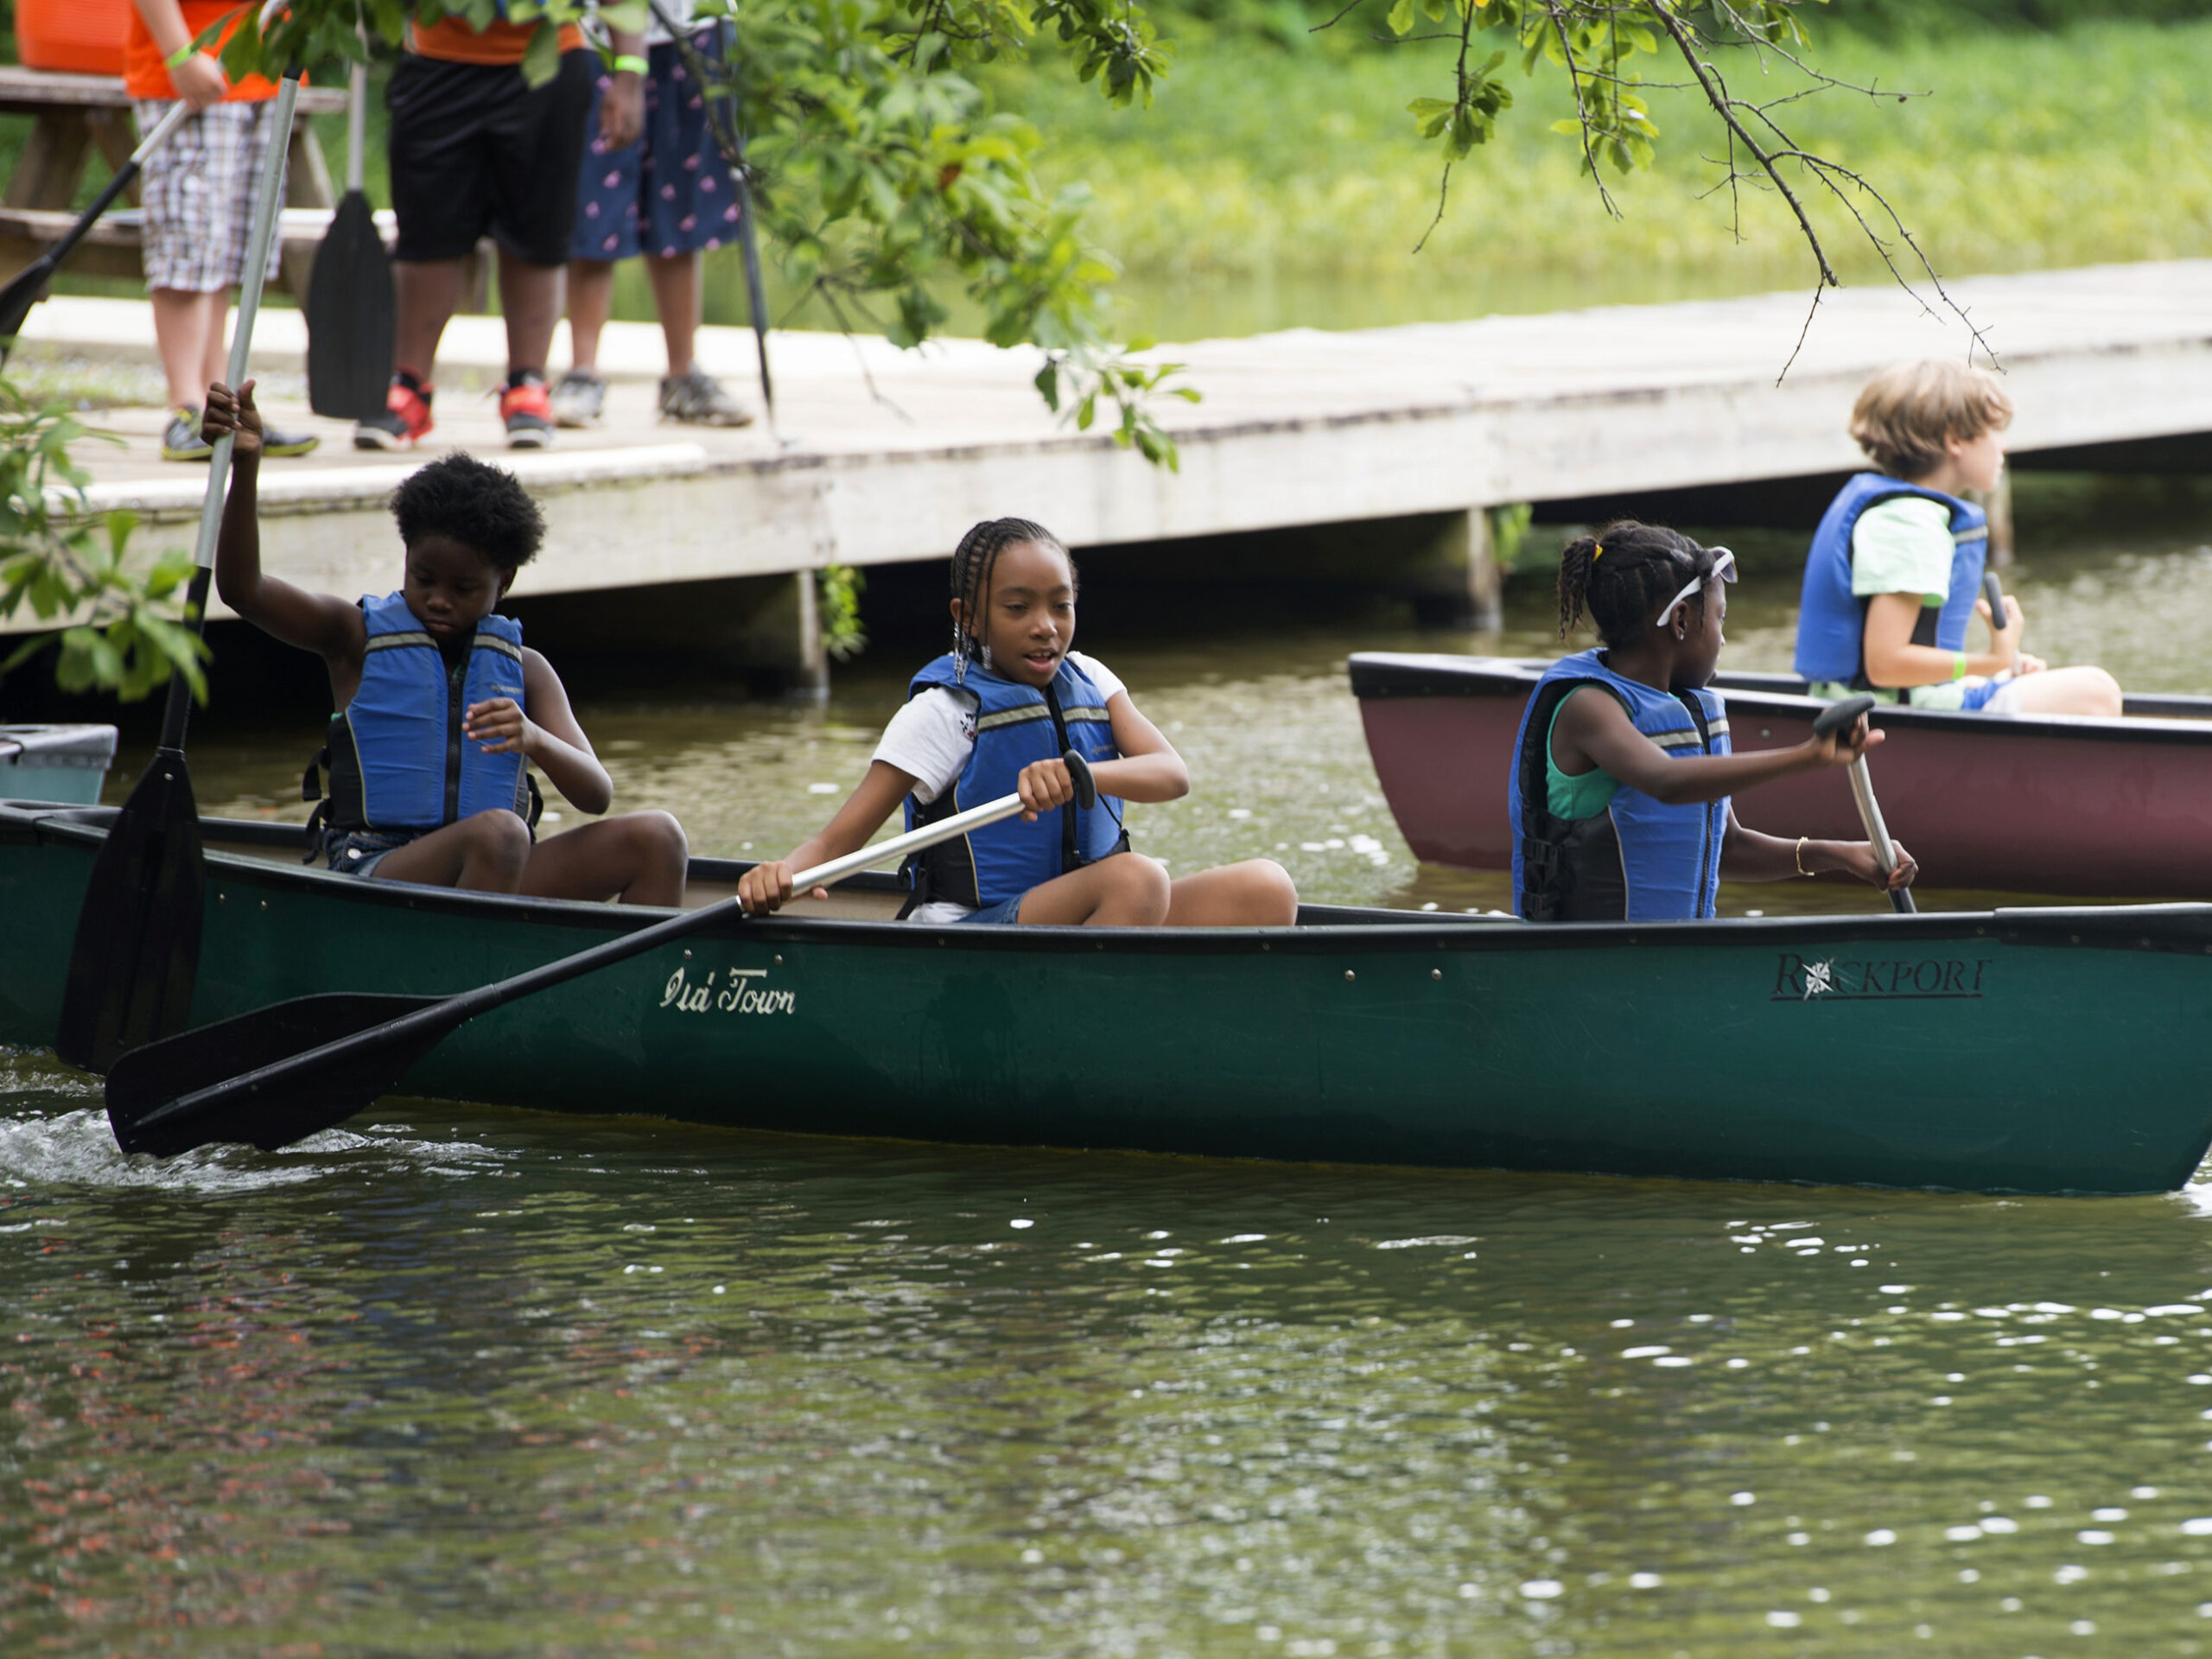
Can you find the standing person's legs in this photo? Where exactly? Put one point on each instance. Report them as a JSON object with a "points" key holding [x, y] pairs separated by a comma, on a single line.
{"points": [[606, 230], [675, 279], [442, 196], [687, 203], [200, 190], [536, 147]]}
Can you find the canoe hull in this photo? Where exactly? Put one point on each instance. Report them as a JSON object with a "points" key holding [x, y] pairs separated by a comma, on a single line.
{"points": [[1701, 1051], [2049, 804]]}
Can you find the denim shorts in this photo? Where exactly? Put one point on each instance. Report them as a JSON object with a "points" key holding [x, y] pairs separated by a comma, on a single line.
{"points": [[1007, 911], [357, 851]]}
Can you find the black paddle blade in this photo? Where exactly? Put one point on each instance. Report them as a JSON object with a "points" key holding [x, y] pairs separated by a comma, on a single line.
{"points": [[349, 317], [25, 290], [137, 948], [189, 1091]]}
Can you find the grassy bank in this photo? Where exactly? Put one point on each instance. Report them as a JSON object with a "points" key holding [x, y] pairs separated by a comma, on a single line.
{"points": [[1266, 187]]}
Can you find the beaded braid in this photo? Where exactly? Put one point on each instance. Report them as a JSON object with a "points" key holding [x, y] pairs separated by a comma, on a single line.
{"points": [[1624, 572], [973, 561]]}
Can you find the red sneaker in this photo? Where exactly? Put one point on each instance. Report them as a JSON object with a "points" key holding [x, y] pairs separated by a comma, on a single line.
{"points": [[406, 418], [527, 408]]}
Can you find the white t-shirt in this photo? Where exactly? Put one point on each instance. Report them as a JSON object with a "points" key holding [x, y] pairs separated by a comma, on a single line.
{"points": [[930, 739]]}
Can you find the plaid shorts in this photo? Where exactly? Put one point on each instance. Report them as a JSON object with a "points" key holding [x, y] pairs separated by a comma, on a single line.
{"points": [[199, 190]]}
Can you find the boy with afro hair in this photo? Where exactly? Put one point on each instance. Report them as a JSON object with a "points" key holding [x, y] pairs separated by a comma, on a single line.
{"points": [[440, 705]]}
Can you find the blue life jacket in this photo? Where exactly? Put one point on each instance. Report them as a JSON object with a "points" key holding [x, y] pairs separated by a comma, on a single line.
{"points": [[1015, 725], [1640, 859], [397, 758], [1832, 619]]}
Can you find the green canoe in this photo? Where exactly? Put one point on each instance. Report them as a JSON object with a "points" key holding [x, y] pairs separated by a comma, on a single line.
{"points": [[2035, 1051]]}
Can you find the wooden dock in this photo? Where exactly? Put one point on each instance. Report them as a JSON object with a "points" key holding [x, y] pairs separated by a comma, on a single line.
{"points": [[1298, 429]]}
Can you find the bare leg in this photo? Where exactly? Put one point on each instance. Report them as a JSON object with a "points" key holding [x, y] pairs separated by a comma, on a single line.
{"points": [[2066, 691], [640, 858], [591, 296], [1127, 890], [483, 854], [426, 291], [1255, 893], [676, 297], [188, 332], [531, 297]]}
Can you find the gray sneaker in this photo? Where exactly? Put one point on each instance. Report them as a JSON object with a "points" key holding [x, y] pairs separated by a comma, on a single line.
{"points": [[580, 399], [698, 399]]}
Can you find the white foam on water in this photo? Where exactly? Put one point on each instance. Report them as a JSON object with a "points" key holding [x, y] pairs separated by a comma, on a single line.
{"points": [[78, 1149]]}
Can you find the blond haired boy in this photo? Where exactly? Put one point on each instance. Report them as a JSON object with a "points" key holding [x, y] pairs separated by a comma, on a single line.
{"points": [[1894, 571]]}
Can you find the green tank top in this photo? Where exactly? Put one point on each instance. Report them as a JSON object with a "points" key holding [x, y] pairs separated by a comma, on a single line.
{"points": [[1575, 798]]}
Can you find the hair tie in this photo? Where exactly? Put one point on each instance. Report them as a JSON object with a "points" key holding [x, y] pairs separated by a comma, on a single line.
{"points": [[1597, 551]]}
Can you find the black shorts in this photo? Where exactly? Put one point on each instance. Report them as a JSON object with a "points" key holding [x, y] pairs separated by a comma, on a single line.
{"points": [[476, 148]]}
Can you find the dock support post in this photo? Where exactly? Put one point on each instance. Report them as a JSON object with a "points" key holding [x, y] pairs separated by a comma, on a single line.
{"points": [[1462, 585], [783, 637], [1997, 503]]}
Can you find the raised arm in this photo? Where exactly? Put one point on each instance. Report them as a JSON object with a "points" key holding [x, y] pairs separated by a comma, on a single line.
{"points": [[1593, 727], [322, 623]]}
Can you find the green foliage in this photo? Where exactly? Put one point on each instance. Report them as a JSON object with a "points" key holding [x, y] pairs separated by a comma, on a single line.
{"points": [[881, 176], [1228, 219], [838, 589], [119, 627], [1509, 534]]}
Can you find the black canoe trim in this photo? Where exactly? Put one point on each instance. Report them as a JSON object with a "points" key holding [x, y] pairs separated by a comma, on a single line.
{"points": [[1379, 675], [1323, 929]]}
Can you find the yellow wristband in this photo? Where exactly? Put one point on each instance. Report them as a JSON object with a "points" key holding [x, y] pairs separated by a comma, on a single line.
{"points": [[1958, 664], [631, 63], [176, 59]]}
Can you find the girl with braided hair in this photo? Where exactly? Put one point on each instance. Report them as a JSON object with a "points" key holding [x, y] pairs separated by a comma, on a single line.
{"points": [[1623, 772], [992, 717]]}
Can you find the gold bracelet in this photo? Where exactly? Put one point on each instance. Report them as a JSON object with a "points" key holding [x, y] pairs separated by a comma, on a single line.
{"points": [[1800, 856]]}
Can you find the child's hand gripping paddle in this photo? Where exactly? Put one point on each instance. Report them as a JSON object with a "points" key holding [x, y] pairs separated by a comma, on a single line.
{"points": [[1840, 717], [283, 1072], [136, 950]]}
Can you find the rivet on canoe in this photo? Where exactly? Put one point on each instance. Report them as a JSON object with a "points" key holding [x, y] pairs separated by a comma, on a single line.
{"points": [[1436, 973], [1350, 975], [222, 897], [780, 962], [686, 955], [264, 904]]}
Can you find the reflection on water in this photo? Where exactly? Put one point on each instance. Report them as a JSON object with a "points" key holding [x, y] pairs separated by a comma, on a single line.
{"points": [[451, 1379], [643, 1387]]}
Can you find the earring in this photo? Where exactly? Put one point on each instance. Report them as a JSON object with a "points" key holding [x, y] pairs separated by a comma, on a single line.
{"points": [[987, 654], [959, 655]]}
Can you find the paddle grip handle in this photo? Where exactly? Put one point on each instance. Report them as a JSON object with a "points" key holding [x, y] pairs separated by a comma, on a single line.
{"points": [[1837, 716], [1994, 591], [1086, 786]]}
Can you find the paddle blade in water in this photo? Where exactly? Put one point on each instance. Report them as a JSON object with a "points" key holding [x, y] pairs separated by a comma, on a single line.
{"points": [[138, 946], [201, 1086], [349, 316]]}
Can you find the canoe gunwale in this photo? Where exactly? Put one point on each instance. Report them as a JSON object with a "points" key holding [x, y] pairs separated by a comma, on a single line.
{"points": [[1388, 676], [1323, 929]]}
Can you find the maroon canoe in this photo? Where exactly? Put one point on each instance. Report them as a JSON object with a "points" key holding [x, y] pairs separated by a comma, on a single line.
{"points": [[2017, 803]]}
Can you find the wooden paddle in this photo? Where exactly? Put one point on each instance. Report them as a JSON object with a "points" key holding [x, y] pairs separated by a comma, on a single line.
{"points": [[138, 947], [284, 1072], [1835, 718], [349, 307], [28, 289]]}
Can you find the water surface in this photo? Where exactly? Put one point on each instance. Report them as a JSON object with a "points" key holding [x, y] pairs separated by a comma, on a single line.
{"points": [[454, 1380]]}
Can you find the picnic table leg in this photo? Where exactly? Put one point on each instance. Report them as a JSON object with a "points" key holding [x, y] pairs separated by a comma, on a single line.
{"points": [[306, 184]]}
